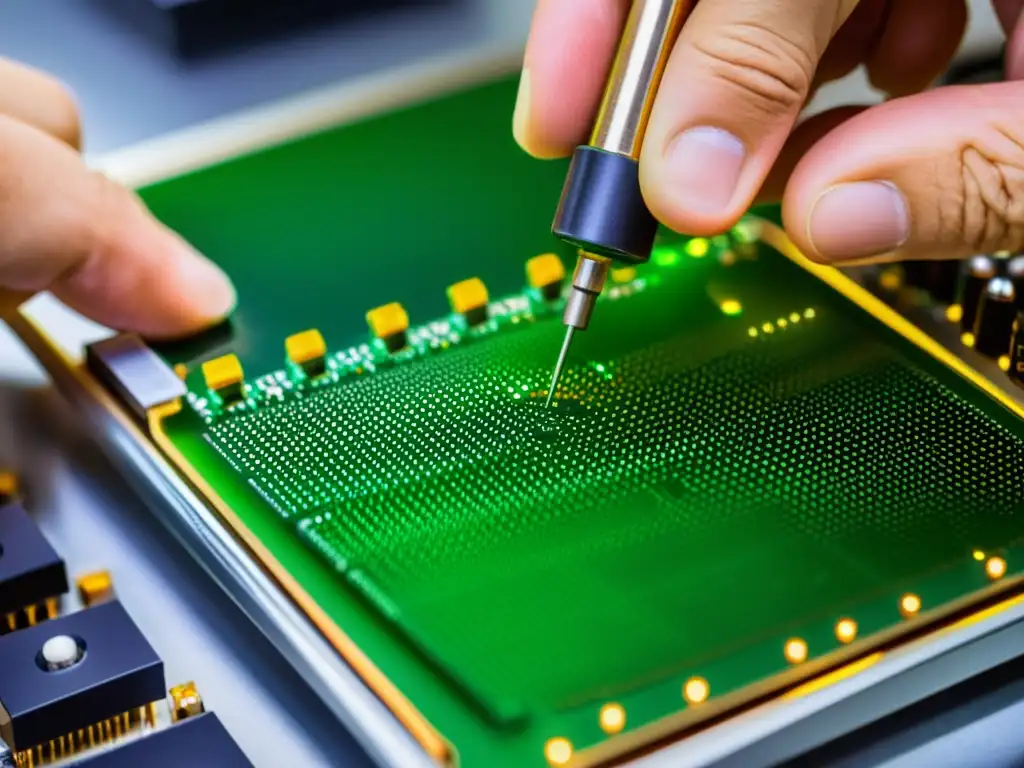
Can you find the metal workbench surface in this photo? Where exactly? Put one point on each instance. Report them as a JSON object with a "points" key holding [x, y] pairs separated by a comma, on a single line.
{"points": [[130, 90]]}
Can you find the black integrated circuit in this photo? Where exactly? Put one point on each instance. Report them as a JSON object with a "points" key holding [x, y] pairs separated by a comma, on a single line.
{"points": [[74, 672], [32, 574]]}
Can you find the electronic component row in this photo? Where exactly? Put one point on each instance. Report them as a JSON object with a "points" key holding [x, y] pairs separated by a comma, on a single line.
{"points": [[984, 296], [389, 325], [86, 688]]}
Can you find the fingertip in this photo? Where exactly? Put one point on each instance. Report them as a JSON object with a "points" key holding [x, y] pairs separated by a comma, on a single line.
{"points": [[691, 186], [568, 54], [530, 135], [207, 293], [40, 100], [146, 279]]}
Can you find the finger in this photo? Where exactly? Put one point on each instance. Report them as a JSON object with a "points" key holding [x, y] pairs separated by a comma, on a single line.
{"points": [[854, 40], [919, 39], [1008, 12], [733, 88], [568, 54], [937, 175], [94, 245], [39, 100], [1014, 56]]}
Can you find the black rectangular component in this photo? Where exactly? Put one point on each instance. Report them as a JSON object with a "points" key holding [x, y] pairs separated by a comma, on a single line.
{"points": [[117, 672], [198, 742], [203, 27], [30, 569]]}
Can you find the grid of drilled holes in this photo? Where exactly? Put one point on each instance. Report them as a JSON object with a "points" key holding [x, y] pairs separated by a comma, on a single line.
{"points": [[825, 464]]}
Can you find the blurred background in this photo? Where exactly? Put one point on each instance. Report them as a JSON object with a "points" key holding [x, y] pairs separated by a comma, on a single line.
{"points": [[146, 68]]}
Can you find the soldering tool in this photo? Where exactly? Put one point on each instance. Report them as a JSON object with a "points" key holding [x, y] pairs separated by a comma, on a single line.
{"points": [[602, 211]]}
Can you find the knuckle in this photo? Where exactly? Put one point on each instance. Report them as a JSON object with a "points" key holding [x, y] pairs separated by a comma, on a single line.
{"points": [[63, 120], [113, 208], [774, 74], [41, 100], [987, 211]]}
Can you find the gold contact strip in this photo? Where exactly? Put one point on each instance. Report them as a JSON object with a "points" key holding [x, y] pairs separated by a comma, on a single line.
{"points": [[31, 615], [70, 744], [417, 725]]}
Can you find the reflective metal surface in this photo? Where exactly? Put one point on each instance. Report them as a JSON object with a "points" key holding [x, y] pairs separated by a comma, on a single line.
{"points": [[647, 39]]}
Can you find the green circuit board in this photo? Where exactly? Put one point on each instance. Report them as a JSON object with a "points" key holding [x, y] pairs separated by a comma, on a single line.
{"points": [[739, 456]]}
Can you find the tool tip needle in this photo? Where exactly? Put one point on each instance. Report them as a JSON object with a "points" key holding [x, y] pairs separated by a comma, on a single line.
{"points": [[559, 365]]}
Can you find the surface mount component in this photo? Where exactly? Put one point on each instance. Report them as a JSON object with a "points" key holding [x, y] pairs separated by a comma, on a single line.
{"points": [[545, 275], [468, 299], [32, 576], [94, 588], [980, 270], [308, 351], [198, 742], [8, 487], [71, 680], [389, 324], [996, 314]]}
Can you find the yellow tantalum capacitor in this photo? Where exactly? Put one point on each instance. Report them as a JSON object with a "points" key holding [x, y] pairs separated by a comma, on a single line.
{"points": [[186, 701], [469, 299], [8, 486], [308, 350], [546, 273], [96, 587], [389, 323], [623, 275], [224, 376]]}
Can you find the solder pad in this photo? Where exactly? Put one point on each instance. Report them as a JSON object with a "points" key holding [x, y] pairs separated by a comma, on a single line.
{"points": [[742, 464]]}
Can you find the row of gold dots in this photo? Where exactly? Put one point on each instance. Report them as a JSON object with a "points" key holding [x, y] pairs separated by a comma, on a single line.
{"points": [[782, 323], [612, 716]]}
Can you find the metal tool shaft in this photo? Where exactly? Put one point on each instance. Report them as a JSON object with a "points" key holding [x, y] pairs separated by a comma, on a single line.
{"points": [[559, 366], [650, 32]]}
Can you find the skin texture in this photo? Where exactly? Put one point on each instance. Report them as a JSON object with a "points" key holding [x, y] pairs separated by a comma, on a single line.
{"points": [[69, 230], [936, 174]]}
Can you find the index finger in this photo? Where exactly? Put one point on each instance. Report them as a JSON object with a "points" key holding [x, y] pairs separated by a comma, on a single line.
{"points": [[34, 97], [568, 54]]}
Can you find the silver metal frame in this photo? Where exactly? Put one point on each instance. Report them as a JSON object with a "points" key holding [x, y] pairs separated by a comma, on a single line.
{"points": [[58, 338]]}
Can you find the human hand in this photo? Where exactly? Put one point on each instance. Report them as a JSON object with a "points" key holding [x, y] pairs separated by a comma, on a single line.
{"points": [[938, 174], [72, 231]]}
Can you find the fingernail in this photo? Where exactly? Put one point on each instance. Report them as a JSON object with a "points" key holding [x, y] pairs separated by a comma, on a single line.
{"points": [[210, 293], [704, 166], [858, 220], [521, 115]]}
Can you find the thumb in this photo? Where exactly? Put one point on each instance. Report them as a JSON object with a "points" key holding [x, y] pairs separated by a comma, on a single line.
{"points": [[733, 88], [94, 245], [937, 175]]}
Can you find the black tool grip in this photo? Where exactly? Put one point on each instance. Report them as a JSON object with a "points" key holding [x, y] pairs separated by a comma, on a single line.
{"points": [[602, 210]]}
